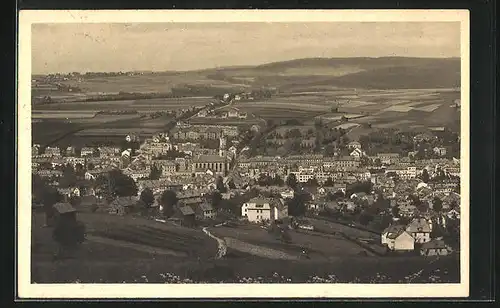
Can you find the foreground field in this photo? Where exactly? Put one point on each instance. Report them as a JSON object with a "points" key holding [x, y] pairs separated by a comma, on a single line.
{"points": [[194, 262]]}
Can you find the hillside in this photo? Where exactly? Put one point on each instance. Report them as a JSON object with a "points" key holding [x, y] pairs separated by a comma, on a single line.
{"points": [[370, 73]]}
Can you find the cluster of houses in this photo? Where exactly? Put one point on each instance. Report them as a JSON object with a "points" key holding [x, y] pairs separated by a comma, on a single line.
{"points": [[226, 113], [417, 233]]}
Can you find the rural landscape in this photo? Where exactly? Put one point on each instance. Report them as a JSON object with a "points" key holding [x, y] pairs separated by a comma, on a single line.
{"points": [[317, 169]]}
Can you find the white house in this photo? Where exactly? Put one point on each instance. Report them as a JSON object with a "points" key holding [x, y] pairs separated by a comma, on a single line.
{"points": [[356, 153], [89, 176], [87, 151], [287, 194], [397, 239], [257, 210]]}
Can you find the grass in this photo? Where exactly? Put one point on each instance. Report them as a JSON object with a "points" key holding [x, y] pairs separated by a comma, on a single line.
{"points": [[97, 262]]}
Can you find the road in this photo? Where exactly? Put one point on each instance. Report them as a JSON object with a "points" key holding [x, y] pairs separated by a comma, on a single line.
{"points": [[221, 244]]}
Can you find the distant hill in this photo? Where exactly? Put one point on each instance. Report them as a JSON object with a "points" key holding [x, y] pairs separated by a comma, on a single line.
{"points": [[376, 73]]}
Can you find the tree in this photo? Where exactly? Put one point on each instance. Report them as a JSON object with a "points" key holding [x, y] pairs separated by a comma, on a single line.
{"points": [[168, 200], [329, 182], [365, 218], [220, 185], [216, 199], [395, 211], [296, 205], [155, 172], [291, 181], [68, 178], [147, 197], [231, 184], [312, 182], [68, 233], [90, 166], [453, 205], [425, 176], [437, 231], [121, 185], [437, 204]]}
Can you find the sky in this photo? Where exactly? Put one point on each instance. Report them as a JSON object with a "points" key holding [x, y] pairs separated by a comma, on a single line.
{"points": [[104, 47]]}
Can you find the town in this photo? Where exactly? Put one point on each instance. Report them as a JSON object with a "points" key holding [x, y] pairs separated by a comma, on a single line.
{"points": [[273, 176]]}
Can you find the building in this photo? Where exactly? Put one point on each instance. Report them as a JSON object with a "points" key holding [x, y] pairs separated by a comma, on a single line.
{"points": [[53, 151], [222, 146], [388, 158], [396, 238], [87, 151], [434, 248], [357, 153], [354, 145], [214, 163], [70, 151], [257, 209], [440, 151], [186, 215], [35, 150], [108, 151], [420, 229], [125, 205], [204, 211], [404, 173]]}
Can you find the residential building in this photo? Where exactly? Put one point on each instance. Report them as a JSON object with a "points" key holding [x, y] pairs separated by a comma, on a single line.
{"points": [[70, 151], [257, 209], [125, 205], [52, 151], [435, 248], [388, 158], [354, 145], [204, 211], [440, 151], [420, 229], [397, 239], [87, 151]]}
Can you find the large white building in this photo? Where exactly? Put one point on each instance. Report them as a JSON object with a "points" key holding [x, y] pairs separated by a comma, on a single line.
{"points": [[263, 209]]}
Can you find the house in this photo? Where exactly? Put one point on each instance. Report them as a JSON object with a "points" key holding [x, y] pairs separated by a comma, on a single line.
{"points": [[204, 211], [420, 229], [89, 176], [280, 210], [125, 205], [186, 215], [87, 151], [354, 145], [257, 209], [388, 158], [53, 151], [91, 203], [453, 214], [70, 151], [357, 153], [440, 151], [64, 211], [287, 194], [435, 247], [396, 238]]}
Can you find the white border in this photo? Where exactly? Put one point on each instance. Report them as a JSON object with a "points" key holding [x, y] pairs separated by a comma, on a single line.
{"points": [[28, 290]]}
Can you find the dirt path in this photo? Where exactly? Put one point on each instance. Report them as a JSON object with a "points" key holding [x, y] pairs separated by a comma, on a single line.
{"points": [[221, 244], [138, 247]]}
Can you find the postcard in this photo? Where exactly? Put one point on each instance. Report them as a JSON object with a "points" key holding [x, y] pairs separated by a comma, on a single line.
{"points": [[243, 154]]}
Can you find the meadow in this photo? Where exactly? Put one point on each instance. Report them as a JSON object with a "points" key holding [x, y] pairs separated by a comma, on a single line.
{"points": [[193, 262]]}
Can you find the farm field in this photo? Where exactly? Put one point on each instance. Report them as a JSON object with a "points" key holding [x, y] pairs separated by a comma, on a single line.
{"points": [[142, 105]]}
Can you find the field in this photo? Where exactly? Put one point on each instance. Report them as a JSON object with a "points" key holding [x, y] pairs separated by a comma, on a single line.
{"points": [[158, 253], [320, 246]]}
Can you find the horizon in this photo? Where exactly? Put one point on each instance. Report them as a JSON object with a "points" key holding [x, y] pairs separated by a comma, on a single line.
{"points": [[181, 47], [242, 66]]}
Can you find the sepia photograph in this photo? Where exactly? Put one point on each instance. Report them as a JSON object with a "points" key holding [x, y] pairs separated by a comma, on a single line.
{"points": [[242, 154]]}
